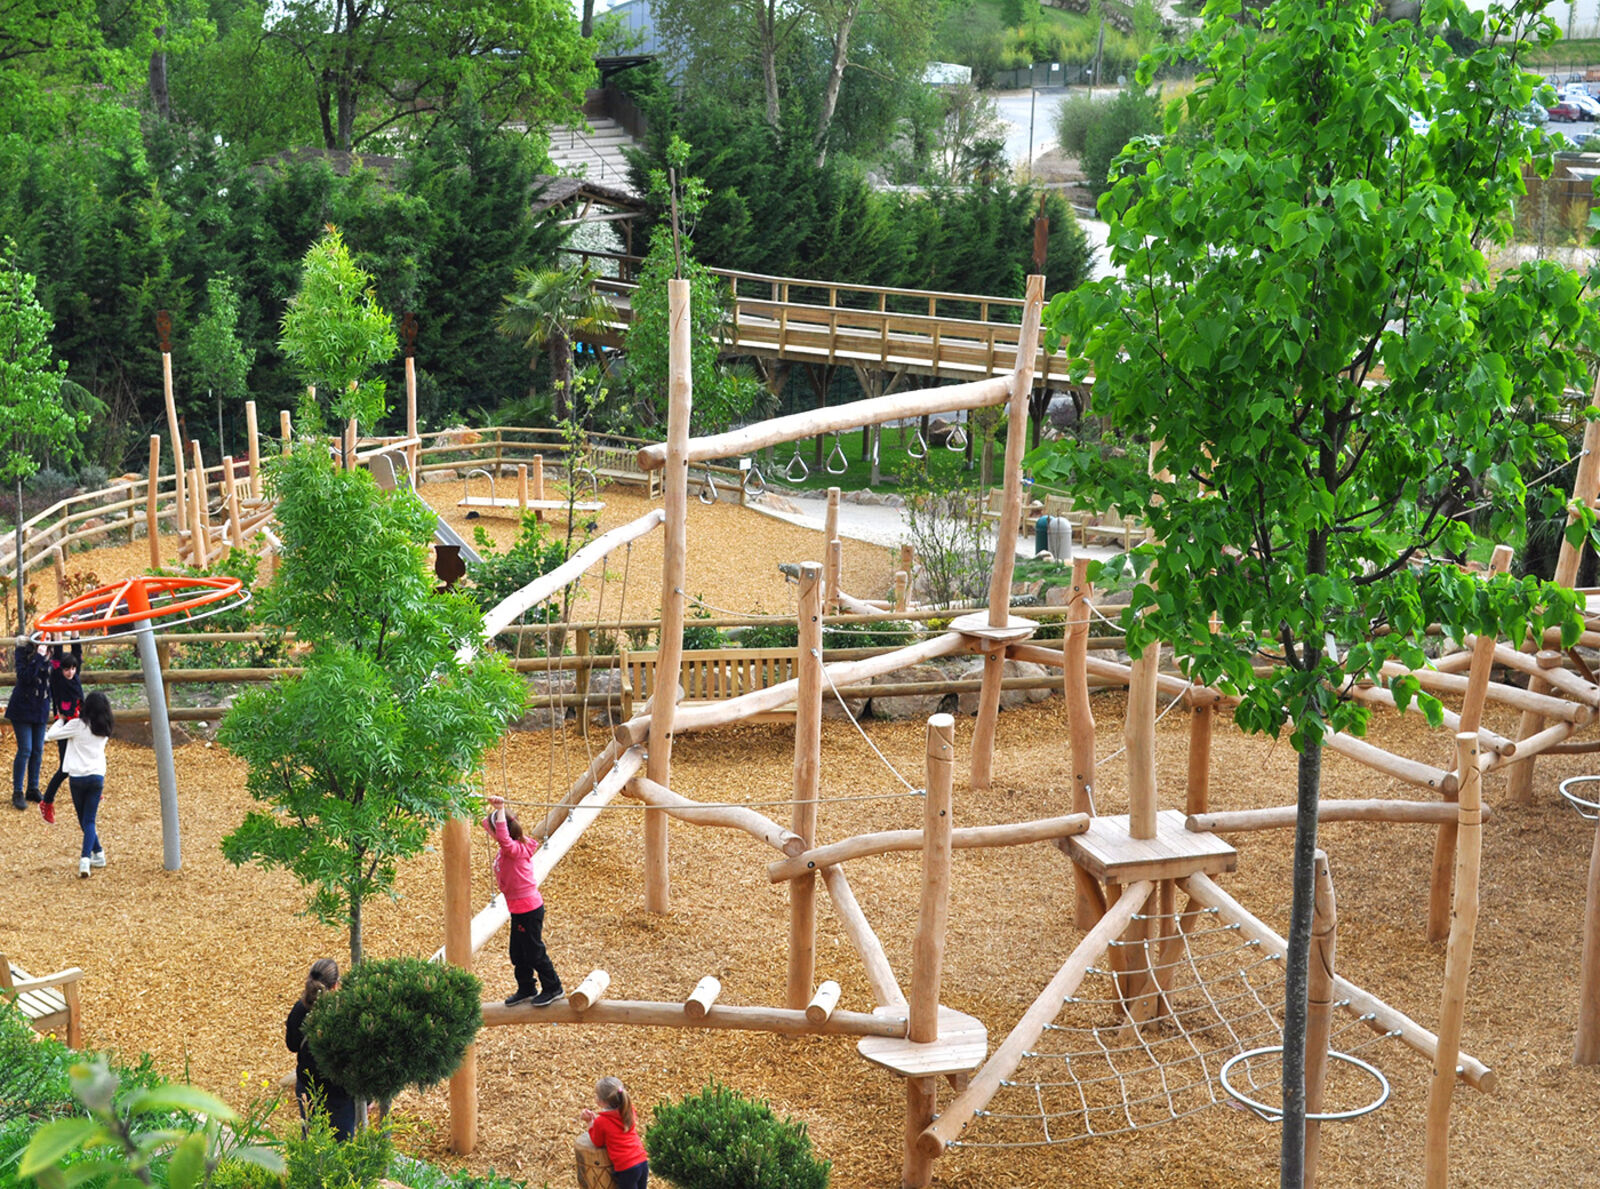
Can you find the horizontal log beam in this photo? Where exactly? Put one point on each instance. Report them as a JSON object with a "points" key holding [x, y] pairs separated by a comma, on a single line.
{"points": [[962, 838], [758, 826], [1510, 695], [976, 394], [1383, 1017], [649, 1014], [1283, 816], [1118, 673], [1487, 739], [1411, 771]]}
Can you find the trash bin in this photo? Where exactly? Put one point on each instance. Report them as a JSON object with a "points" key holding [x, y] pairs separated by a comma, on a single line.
{"points": [[1041, 534], [1055, 534]]}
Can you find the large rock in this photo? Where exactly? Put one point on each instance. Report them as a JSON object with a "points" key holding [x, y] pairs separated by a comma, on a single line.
{"points": [[1011, 698], [908, 706]]}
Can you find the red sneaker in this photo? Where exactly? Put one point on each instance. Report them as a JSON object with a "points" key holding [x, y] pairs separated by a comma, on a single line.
{"points": [[49, 810]]}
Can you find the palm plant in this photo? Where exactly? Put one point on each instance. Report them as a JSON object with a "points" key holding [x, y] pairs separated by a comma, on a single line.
{"points": [[549, 308]]}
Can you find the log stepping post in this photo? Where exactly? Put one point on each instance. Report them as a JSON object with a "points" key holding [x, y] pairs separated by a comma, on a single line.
{"points": [[1091, 898], [253, 432], [458, 952], [807, 767], [830, 534]]}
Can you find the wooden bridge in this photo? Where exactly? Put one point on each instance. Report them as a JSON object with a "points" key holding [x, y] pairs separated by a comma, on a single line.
{"points": [[883, 332]]}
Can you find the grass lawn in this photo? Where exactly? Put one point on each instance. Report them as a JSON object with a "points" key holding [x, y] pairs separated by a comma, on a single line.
{"points": [[947, 468], [1578, 52]]}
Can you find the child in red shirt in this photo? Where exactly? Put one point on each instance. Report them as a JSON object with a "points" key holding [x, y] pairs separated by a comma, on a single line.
{"points": [[513, 872], [612, 1128]]}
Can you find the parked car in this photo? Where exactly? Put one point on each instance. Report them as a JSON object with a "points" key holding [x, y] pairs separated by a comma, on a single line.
{"points": [[1578, 95], [1566, 112]]}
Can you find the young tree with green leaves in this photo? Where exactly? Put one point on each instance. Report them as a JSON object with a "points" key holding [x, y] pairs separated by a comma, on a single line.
{"points": [[221, 361], [1306, 325], [33, 418], [335, 333]]}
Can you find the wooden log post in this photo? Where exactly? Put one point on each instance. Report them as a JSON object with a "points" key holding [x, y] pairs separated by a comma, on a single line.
{"points": [[413, 450], [152, 493], [1319, 1010], [235, 526], [836, 567], [58, 559], [1585, 487], [1457, 962], [176, 439], [927, 955], [1005, 552], [1202, 724], [908, 558], [522, 487], [674, 551], [536, 484], [823, 1002], [807, 768], [1472, 703], [285, 430], [1140, 732], [458, 952], [702, 997], [1586, 1050], [351, 439], [830, 534], [199, 543], [253, 438], [1091, 899], [590, 991], [202, 512], [902, 590], [592, 1165]]}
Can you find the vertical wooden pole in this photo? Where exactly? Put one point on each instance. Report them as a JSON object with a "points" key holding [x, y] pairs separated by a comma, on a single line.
{"points": [[522, 487], [58, 559], [235, 529], [1202, 722], [807, 766], [1005, 552], [1319, 1017], [202, 513], [674, 551], [175, 437], [1457, 962], [152, 492], [1585, 487], [458, 952], [1472, 703], [537, 481], [254, 432], [902, 584], [199, 539], [285, 430], [1586, 1050], [836, 569], [414, 449], [908, 558], [927, 955], [830, 533], [348, 451], [1091, 904], [1140, 732]]}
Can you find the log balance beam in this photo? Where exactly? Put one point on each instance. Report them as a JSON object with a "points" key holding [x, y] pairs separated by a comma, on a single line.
{"points": [[1277, 817], [651, 1014], [965, 838]]}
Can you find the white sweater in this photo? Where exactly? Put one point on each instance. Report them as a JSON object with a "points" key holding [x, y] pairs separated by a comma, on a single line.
{"points": [[86, 751]]}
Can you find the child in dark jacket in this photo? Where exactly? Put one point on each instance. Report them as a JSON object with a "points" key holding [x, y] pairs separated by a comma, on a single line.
{"points": [[28, 708], [66, 696]]}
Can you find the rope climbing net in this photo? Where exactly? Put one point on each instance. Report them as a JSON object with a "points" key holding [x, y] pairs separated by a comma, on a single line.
{"points": [[1144, 1040]]}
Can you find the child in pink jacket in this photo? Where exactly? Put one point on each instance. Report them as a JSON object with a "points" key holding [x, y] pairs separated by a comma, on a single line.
{"points": [[513, 871]]}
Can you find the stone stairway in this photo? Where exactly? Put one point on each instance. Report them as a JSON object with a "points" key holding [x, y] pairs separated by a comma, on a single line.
{"points": [[595, 153]]}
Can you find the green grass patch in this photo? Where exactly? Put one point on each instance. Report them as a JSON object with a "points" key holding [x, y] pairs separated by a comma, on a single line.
{"points": [[1579, 52], [944, 467]]}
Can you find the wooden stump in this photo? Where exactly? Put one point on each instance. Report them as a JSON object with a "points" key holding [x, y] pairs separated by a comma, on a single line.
{"points": [[593, 1165]]}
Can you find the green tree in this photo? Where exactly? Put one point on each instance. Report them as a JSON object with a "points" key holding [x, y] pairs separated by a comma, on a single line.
{"points": [[32, 416], [335, 333], [1306, 324], [381, 738], [549, 308], [221, 361], [394, 1023], [377, 65]]}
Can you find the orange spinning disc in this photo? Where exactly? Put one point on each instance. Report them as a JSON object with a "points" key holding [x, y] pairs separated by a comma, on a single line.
{"points": [[145, 597]]}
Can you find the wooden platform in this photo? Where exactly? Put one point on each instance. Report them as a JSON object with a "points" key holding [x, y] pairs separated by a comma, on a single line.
{"points": [[50, 1003], [977, 624], [497, 504], [1107, 852], [962, 1045]]}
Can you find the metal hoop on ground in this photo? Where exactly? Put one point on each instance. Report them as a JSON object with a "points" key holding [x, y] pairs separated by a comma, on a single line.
{"points": [[594, 480], [797, 461], [1587, 809], [837, 452], [466, 479], [1274, 1114]]}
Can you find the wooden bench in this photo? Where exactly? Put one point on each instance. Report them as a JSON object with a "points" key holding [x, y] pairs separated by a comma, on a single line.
{"points": [[49, 1003], [711, 675]]}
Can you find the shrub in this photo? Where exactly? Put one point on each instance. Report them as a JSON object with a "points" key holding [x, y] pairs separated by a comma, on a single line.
{"points": [[720, 1139], [1075, 115], [49, 482], [534, 553], [890, 633], [702, 635], [1129, 115], [770, 635], [394, 1023], [317, 1160]]}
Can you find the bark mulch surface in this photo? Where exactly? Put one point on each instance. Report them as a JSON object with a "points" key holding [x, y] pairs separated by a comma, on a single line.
{"points": [[199, 966]]}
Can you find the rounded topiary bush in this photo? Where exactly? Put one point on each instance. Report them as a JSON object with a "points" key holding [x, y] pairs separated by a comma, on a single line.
{"points": [[393, 1023], [719, 1139]]}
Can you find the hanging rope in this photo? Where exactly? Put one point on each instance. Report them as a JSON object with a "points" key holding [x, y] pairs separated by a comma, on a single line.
{"points": [[829, 676]]}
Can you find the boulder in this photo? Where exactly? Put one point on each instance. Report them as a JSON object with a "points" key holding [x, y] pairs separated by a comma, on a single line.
{"points": [[1011, 698], [908, 706]]}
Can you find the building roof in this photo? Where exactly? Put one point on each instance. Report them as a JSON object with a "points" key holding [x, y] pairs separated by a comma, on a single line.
{"points": [[565, 188]]}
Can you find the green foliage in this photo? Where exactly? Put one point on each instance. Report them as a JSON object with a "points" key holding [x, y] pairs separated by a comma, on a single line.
{"points": [[32, 418], [1131, 114], [942, 525], [702, 635], [534, 553], [394, 1023], [380, 739], [33, 1079], [888, 633], [1075, 115], [318, 1160], [130, 1133], [335, 332], [549, 308], [268, 651], [720, 1139], [770, 635], [221, 361]]}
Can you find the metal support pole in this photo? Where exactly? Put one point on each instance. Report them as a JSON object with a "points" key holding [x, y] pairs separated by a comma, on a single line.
{"points": [[161, 741]]}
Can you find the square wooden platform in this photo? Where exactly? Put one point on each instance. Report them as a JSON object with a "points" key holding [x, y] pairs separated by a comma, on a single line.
{"points": [[1106, 851]]}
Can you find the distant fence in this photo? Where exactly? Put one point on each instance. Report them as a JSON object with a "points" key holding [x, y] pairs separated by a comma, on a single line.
{"points": [[1080, 74]]}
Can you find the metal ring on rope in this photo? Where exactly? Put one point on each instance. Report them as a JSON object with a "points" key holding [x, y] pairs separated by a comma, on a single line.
{"points": [[1588, 810], [837, 452], [752, 482], [708, 489], [805, 471], [957, 439], [918, 447], [1273, 1114]]}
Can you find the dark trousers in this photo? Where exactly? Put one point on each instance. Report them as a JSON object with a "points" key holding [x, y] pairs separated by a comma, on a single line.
{"points": [[339, 1106], [528, 955], [60, 777], [30, 753], [633, 1178], [86, 792]]}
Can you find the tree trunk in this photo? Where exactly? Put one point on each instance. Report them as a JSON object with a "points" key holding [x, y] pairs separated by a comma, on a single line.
{"points": [[587, 28], [1296, 976], [561, 373], [830, 91], [767, 26], [355, 931], [160, 98]]}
